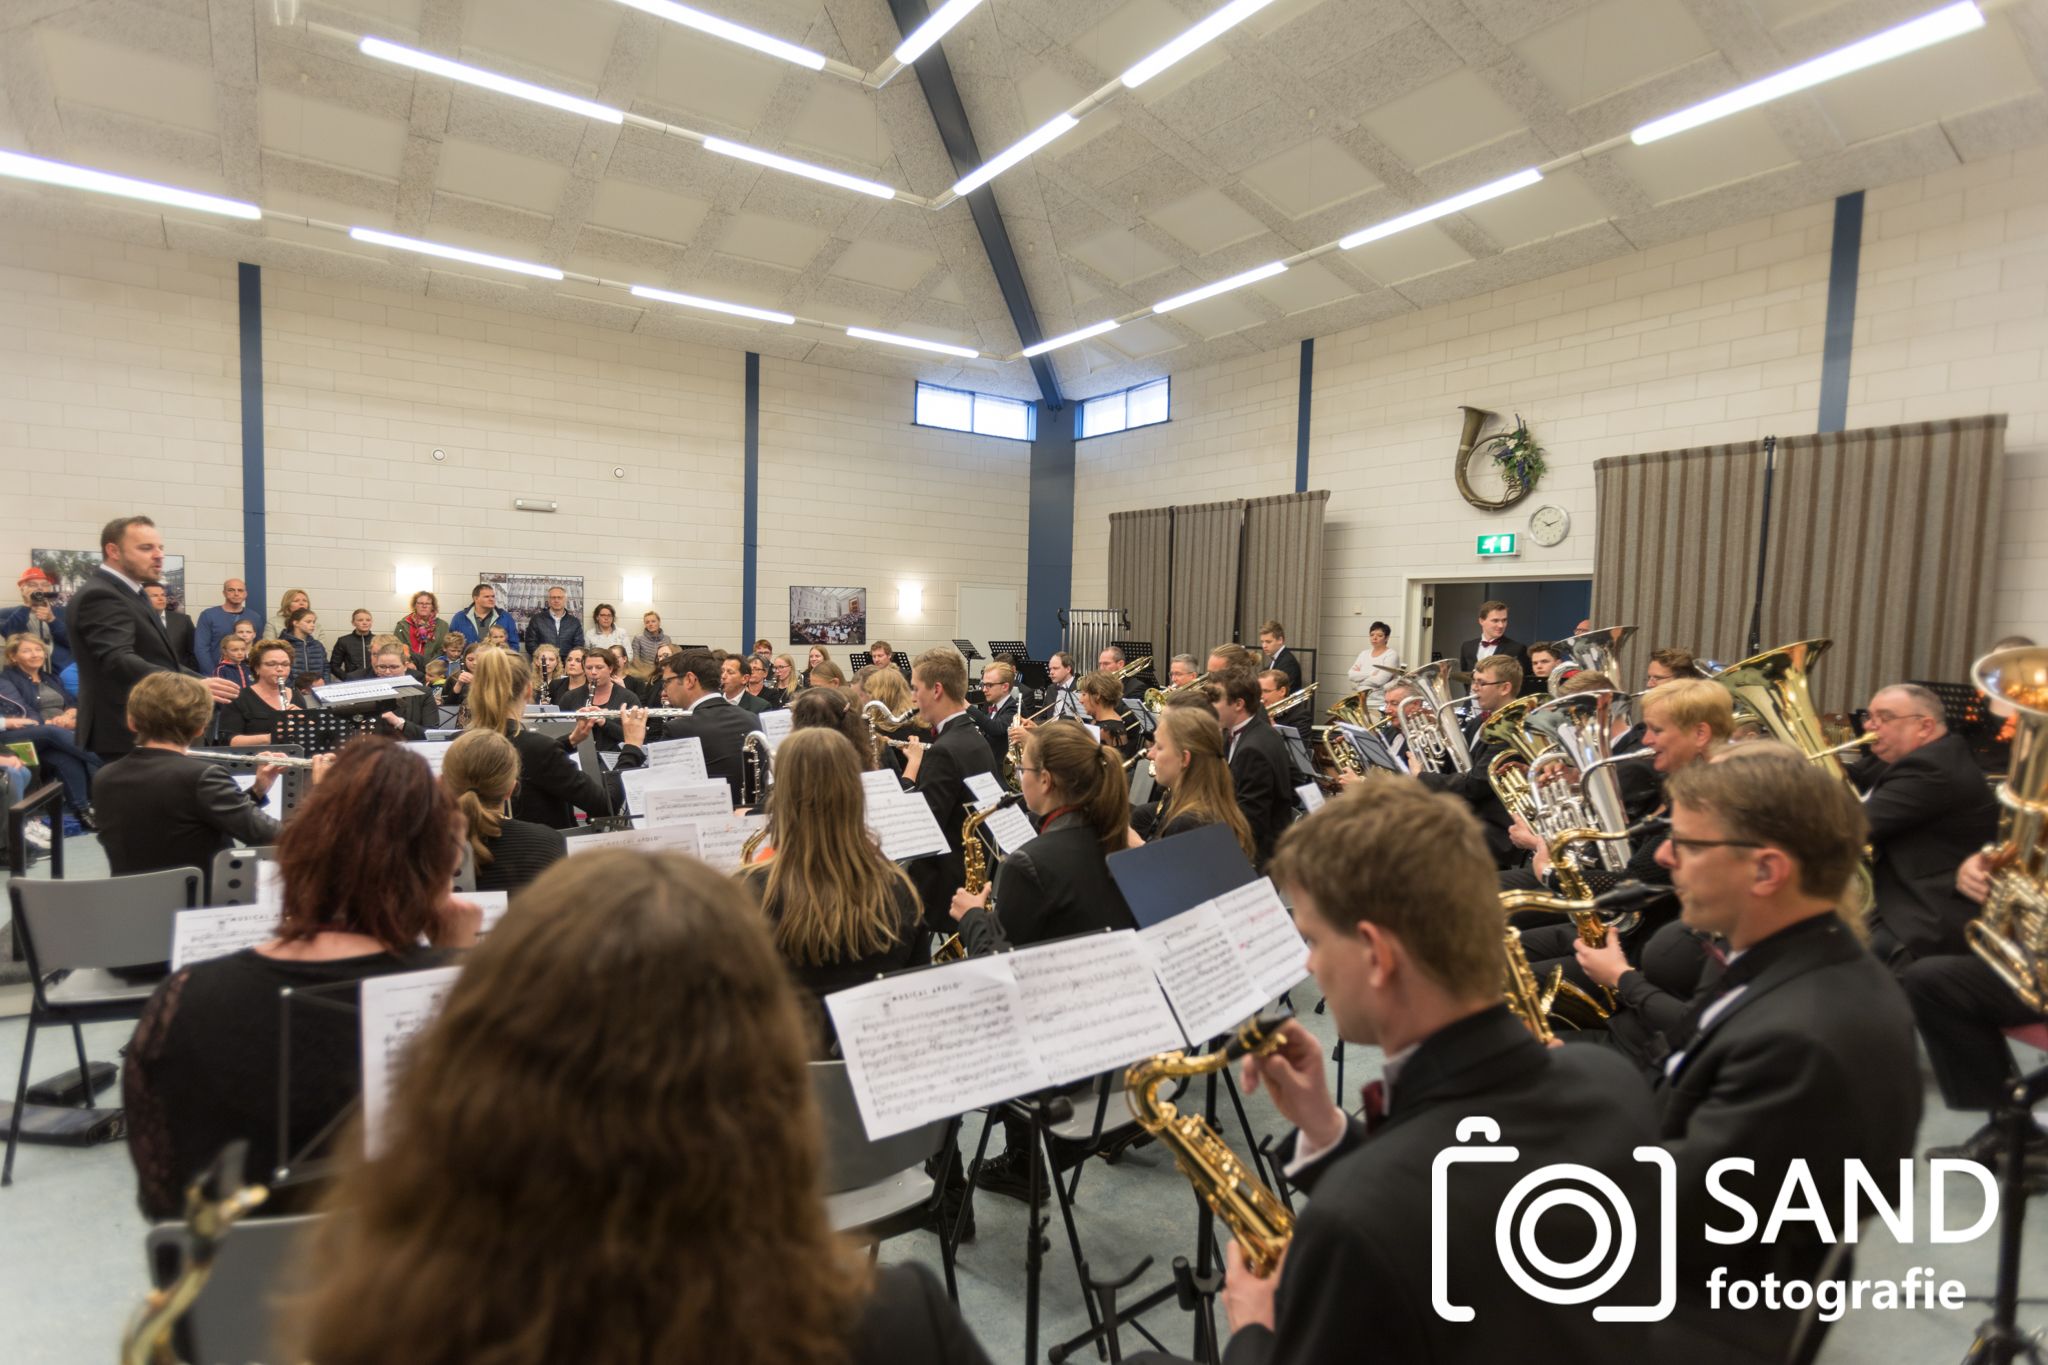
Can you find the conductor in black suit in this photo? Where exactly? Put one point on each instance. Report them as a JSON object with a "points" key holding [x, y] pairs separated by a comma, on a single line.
{"points": [[690, 681], [1492, 639], [938, 770], [1415, 968], [1929, 808], [1259, 770], [1273, 646], [118, 640], [1801, 1051]]}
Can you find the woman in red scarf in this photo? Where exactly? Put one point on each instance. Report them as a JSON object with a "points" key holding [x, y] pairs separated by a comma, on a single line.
{"points": [[422, 630]]}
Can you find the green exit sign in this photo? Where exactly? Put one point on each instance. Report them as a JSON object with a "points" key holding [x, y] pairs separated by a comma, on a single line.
{"points": [[1495, 546]]}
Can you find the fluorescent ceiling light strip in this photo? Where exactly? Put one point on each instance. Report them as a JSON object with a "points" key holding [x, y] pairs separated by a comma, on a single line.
{"points": [[453, 253], [1211, 28], [1949, 22], [795, 167], [728, 30], [1455, 204], [1210, 291], [489, 80], [715, 305], [1070, 338], [918, 343], [1013, 154], [79, 178], [931, 30]]}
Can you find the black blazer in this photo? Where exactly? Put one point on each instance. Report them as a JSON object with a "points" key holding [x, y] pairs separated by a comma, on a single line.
{"points": [[178, 626], [1813, 1060], [752, 704], [1468, 653], [908, 1320], [520, 853], [1928, 812], [1478, 793], [723, 728], [995, 726], [157, 809], [1357, 1282], [553, 785], [1265, 782], [117, 641], [1288, 664], [1054, 886], [955, 753]]}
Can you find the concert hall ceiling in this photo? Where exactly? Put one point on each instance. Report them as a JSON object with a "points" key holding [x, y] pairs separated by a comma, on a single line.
{"points": [[1310, 120]]}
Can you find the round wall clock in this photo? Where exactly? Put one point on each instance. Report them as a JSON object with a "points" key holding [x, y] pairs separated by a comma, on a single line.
{"points": [[1549, 525]]}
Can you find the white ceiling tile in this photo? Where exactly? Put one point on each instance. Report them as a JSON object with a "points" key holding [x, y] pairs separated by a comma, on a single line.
{"points": [[840, 120], [1441, 119], [1555, 204], [1310, 176], [1978, 69], [86, 71], [1130, 32], [1141, 338], [728, 85], [319, 131], [1777, 13], [1303, 287], [1733, 149], [544, 35], [1219, 316], [646, 211], [1405, 255], [475, 171], [882, 265], [773, 240], [1045, 91], [1611, 46], [1206, 220], [947, 290], [1120, 255]]}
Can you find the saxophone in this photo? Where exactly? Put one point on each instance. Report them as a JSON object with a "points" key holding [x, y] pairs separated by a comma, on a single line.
{"points": [[1256, 1218], [1593, 917], [1528, 1001], [213, 1204], [974, 857]]}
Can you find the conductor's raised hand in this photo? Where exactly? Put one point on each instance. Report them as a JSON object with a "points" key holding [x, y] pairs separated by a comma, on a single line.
{"points": [[224, 690], [1293, 1075]]}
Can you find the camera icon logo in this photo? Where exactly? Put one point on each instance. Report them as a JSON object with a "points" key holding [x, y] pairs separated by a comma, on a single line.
{"points": [[1563, 1184]]}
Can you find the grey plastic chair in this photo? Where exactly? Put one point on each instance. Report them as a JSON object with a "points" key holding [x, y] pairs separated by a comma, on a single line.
{"points": [[232, 1321], [876, 1189], [234, 874], [80, 937]]}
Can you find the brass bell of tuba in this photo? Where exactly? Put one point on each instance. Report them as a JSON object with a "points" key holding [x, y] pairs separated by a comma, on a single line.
{"points": [[2011, 932], [1429, 722]]}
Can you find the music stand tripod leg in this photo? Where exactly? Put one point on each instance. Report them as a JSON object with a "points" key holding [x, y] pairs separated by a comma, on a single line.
{"points": [[2000, 1340]]}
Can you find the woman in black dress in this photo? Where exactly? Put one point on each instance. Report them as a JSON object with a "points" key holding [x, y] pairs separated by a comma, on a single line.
{"points": [[1187, 760], [481, 772], [248, 720]]}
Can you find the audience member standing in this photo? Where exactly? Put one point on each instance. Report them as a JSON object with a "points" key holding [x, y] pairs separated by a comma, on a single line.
{"points": [[475, 624], [215, 624], [37, 616], [554, 625]]}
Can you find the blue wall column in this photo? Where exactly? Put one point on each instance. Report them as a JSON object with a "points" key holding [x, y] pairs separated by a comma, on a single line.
{"points": [[255, 537], [1842, 266], [1049, 562], [1308, 376], [750, 538]]}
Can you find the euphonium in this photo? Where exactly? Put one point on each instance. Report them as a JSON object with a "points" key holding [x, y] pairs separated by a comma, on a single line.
{"points": [[1509, 772], [1274, 710], [2011, 932], [1337, 748], [1434, 736], [1351, 710], [1595, 650], [1258, 1221]]}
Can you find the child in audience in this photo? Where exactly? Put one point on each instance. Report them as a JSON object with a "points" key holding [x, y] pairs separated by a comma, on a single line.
{"points": [[234, 659]]}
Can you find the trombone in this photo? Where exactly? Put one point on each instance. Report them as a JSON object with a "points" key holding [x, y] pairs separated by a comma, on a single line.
{"points": [[1275, 709], [1155, 697]]}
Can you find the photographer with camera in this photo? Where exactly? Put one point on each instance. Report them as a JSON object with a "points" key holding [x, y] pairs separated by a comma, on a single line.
{"points": [[37, 616]]}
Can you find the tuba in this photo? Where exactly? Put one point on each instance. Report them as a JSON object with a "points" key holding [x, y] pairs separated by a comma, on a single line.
{"points": [[2011, 932], [1434, 735], [1596, 650], [1257, 1219], [1770, 690], [757, 774]]}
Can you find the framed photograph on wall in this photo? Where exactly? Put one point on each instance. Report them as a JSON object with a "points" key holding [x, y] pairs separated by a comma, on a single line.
{"points": [[828, 616], [70, 567], [523, 594]]}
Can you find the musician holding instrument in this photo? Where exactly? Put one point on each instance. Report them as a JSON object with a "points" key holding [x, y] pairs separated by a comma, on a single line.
{"points": [[1259, 768], [1102, 705], [938, 770], [1496, 679], [690, 682], [481, 771], [834, 708], [1407, 951], [602, 690], [552, 787], [247, 721], [999, 709], [1188, 763], [1061, 698], [1181, 670]]}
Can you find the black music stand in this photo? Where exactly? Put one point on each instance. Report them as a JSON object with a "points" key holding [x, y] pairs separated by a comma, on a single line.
{"points": [[1034, 674], [967, 649], [1968, 712], [310, 1163], [320, 732], [902, 662], [998, 648], [2000, 1340]]}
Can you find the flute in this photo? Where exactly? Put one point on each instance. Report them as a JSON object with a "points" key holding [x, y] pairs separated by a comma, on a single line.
{"points": [[595, 713], [258, 758]]}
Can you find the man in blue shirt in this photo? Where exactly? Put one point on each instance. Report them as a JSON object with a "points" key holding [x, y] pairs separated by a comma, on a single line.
{"points": [[215, 624], [473, 625]]}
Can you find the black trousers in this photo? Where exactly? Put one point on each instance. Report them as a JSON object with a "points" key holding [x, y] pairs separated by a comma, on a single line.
{"points": [[1963, 1007]]}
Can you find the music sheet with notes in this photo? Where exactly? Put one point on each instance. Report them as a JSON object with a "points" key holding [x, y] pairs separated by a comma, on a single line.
{"points": [[1264, 935], [1010, 828], [681, 838], [688, 752], [1311, 797], [987, 791], [492, 903], [708, 800], [1091, 1004], [880, 782], [904, 825], [775, 726], [722, 840], [926, 1045], [202, 935], [677, 772], [394, 1010], [1204, 978], [433, 751]]}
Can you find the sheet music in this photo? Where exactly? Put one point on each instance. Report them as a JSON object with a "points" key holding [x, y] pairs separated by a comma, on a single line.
{"points": [[394, 1010], [904, 825], [881, 782], [436, 754], [270, 886], [689, 752], [1267, 942], [1204, 978], [710, 800], [722, 839], [636, 783], [366, 689], [987, 791], [492, 903], [1011, 829], [775, 726], [1311, 797], [1092, 1003], [678, 838], [202, 935], [930, 1044]]}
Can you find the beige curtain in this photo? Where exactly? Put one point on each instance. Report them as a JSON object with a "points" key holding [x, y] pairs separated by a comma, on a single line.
{"points": [[1141, 572], [1283, 566], [1676, 540], [1884, 541], [1206, 540]]}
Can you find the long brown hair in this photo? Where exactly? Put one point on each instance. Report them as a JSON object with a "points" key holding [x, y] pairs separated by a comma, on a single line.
{"points": [[833, 708], [372, 851], [604, 1150], [1205, 789], [830, 894], [499, 683], [480, 771], [1087, 776]]}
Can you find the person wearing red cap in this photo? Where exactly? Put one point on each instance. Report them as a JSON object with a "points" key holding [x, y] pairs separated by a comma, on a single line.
{"points": [[37, 616]]}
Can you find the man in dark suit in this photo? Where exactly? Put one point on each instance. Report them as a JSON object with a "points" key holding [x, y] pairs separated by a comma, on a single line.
{"points": [[938, 770], [1492, 640], [177, 625], [999, 709], [1495, 681], [1273, 646], [1929, 808], [1113, 660], [1415, 968], [1802, 1051], [554, 626], [117, 639], [1259, 768], [732, 685], [690, 681]]}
